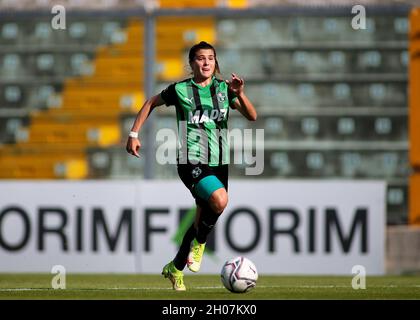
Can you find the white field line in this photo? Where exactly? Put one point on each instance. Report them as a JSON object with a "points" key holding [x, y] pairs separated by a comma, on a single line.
{"points": [[207, 287]]}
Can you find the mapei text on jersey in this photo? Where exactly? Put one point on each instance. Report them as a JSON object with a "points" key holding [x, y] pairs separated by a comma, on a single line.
{"points": [[200, 116]]}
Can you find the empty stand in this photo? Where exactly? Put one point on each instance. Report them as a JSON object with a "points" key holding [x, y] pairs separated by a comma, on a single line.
{"points": [[57, 118], [332, 100]]}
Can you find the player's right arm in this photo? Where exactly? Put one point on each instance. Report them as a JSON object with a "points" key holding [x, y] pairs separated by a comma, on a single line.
{"points": [[133, 144]]}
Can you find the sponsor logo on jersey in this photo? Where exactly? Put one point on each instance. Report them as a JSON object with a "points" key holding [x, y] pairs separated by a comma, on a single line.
{"points": [[196, 172], [200, 116], [221, 96], [190, 100]]}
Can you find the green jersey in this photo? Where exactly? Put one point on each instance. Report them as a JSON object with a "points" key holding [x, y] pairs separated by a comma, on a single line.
{"points": [[202, 115]]}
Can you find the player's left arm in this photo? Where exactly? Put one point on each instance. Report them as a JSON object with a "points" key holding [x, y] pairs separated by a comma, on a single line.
{"points": [[242, 103]]}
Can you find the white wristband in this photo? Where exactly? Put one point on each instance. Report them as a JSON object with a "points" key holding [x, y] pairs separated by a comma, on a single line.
{"points": [[133, 134]]}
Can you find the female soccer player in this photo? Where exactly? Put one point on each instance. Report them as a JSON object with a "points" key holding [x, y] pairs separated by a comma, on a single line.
{"points": [[202, 108]]}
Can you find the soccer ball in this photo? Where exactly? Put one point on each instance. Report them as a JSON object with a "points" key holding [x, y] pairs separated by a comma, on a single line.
{"points": [[239, 275]]}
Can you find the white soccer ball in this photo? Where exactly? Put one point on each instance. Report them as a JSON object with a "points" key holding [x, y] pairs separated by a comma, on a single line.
{"points": [[239, 275]]}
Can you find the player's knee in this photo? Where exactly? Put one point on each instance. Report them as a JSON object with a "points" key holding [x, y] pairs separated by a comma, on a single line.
{"points": [[219, 200]]}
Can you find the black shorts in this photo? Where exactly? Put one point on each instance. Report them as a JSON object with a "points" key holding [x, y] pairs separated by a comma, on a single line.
{"points": [[191, 174]]}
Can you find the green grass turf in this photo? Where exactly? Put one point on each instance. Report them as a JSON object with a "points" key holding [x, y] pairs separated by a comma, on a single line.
{"points": [[208, 287]]}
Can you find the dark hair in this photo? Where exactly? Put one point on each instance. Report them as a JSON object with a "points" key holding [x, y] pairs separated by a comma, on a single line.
{"points": [[199, 46]]}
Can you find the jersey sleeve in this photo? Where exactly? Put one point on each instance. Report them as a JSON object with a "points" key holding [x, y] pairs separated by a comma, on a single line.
{"points": [[169, 95]]}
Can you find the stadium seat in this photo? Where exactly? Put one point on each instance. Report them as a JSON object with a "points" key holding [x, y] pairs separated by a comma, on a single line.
{"points": [[111, 162], [397, 204], [11, 65], [9, 126], [10, 33], [280, 163], [13, 96]]}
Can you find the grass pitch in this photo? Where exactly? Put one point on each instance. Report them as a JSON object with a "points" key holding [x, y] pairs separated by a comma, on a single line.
{"points": [[206, 287]]}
